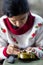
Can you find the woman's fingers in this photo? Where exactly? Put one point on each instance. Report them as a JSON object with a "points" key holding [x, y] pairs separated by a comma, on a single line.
{"points": [[10, 49], [29, 49]]}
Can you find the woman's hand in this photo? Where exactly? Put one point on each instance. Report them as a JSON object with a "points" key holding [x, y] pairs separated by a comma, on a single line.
{"points": [[16, 51], [11, 49], [31, 49]]}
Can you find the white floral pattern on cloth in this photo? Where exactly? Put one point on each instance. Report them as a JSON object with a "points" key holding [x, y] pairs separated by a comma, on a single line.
{"points": [[39, 25], [35, 30], [38, 51], [3, 30], [34, 34], [14, 39]]}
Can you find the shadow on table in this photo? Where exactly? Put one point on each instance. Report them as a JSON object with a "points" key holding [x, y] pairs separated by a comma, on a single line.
{"points": [[27, 60]]}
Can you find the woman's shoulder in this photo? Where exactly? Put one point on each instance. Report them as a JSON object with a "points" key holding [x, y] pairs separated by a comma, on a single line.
{"points": [[2, 17], [38, 18]]}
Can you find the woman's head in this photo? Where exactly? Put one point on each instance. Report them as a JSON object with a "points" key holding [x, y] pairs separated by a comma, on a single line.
{"points": [[19, 20], [15, 7]]}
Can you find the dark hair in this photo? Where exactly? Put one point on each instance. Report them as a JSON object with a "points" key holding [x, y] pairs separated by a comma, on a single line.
{"points": [[15, 7]]}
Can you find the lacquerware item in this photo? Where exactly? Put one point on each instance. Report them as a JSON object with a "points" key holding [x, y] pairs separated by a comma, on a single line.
{"points": [[24, 55]]}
